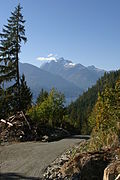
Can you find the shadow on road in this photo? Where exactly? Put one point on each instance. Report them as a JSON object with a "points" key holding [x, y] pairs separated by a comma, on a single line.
{"points": [[86, 137], [14, 176]]}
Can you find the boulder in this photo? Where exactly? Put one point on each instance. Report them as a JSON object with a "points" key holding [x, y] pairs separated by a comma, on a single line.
{"points": [[45, 138]]}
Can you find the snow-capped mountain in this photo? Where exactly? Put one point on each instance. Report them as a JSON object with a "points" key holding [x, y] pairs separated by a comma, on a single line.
{"points": [[37, 79], [61, 62], [78, 74]]}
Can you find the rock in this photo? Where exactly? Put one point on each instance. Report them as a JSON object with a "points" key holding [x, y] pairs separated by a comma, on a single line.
{"points": [[53, 171], [112, 171], [45, 138]]}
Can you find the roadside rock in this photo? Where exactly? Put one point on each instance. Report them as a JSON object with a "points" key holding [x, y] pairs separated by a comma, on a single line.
{"points": [[85, 166], [53, 171], [45, 138], [55, 135]]}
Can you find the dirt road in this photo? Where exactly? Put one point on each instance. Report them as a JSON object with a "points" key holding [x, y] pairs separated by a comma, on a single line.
{"points": [[28, 160]]}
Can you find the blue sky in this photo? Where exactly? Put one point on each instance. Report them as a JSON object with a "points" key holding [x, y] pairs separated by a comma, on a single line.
{"points": [[85, 31]]}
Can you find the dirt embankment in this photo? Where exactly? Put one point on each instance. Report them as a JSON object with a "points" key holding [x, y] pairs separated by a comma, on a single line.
{"points": [[77, 165]]}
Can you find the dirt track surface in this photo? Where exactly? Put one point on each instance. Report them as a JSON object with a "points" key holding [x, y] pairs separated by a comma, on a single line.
{"points": [[28, 160]]}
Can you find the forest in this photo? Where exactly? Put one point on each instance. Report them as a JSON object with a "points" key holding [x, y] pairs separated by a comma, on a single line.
{"points": [[80, 110]]}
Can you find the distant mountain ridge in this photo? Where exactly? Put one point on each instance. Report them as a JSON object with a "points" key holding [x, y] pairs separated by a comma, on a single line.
{"points": [[81, 76], [37, 79], [64, 75]]}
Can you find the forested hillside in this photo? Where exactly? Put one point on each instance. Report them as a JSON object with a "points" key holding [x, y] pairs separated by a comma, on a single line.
{"points": [[80, 110]]}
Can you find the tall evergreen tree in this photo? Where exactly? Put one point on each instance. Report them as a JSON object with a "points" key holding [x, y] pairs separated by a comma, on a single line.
{"points": [[25, 95], [11, 38]]}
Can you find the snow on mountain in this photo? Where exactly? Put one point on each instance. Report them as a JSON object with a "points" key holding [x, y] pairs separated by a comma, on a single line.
{"points": [[69, 65], [81, 76]]}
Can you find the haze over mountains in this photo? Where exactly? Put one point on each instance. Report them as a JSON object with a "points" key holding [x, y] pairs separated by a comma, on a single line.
{"points": [[67, 77]]}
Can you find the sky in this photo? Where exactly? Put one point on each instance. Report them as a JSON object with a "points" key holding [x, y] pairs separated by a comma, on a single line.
{"points": [[84, 31]]}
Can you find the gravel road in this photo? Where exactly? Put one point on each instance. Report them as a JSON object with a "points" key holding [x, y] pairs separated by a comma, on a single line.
{"points": [[28, 160]]}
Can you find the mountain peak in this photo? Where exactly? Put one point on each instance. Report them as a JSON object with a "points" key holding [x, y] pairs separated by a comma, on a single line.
{"points": [[93, 68], [63, 61], [76, 73]]}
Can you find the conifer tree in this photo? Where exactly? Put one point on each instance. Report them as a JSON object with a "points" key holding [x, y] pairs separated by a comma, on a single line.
{"points": [[25, 95], [42, 96], [117, 98], [105, 113], [105, 118], [11, 38]]}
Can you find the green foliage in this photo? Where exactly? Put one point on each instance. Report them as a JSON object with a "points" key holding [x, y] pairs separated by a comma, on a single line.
{"points": [[105, 118], [14, 95], [42, 96], [50, 111], [80, 110], [5, 103], [25, 95], [10, 44], [105, 113], [117, 98]]}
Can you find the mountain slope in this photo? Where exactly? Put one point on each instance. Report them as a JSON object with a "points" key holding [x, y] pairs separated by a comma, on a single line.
{"points": [[80, 110], [81, 76], [37, 79]]}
